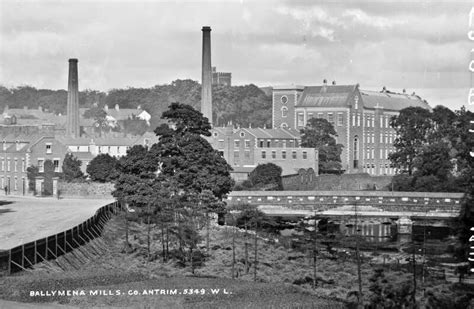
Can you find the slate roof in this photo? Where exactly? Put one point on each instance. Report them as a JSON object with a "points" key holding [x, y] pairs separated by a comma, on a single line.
{"points": [[329, 95], [391, 101], [338, 96]]}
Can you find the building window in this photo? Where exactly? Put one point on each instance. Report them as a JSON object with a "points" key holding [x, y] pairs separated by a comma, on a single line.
{"points": [[340, 119], [284, 125], [381, 121], [283, 154], [358, 120], [236, 157], [214, 134], [264, 155], [15, 166], [284, 112], [269, 144], [8, 164], [321, 115], [56, 165], [356, 152], [41, 165], [22, 165], [283, 143], [15, 184], [3, 164], [305, 155], [356, 102], [49, 148], [284, 99], [220, 143], [293, 154], [310, 115], [236, 143], [274, 155], [300, 120], [247, 144], [247, 155], [242, 134], [353, 120], [277, 143], [331, 118]]}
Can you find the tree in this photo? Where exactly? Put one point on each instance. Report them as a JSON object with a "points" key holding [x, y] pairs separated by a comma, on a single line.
{"points": [[31, 173], [320, 134], [103, 168], [412, 127], [72, 168], [136, 184], [267, 174], [196, 175]]}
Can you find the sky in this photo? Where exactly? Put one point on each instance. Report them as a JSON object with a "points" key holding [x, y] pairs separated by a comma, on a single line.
{"points": [[422, 46]]}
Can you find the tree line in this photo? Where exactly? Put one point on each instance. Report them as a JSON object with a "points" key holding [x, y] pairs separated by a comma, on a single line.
{"points": [[241, 105]]}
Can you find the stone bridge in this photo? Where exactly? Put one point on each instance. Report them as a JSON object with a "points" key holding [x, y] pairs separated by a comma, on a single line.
{"points": [[379, 204]]}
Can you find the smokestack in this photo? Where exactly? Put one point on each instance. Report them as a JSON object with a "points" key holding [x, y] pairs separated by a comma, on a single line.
{"points": [[206, 94], [72, 125]]}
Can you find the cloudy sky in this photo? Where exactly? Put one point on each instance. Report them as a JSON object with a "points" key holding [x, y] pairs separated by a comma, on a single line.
{"points": [[421, 46]]}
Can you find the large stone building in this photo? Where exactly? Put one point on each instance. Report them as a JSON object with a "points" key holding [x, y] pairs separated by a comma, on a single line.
{"points": [[245, 148], [361, 119]]}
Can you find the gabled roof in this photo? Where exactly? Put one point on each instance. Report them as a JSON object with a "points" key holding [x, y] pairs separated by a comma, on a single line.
{"points": [[391, 101], [328, 95]]}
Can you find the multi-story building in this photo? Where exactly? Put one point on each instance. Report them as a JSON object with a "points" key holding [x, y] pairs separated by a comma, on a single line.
{"points": [[221, 78], [21, 151], [245, 148], [361, 119]]}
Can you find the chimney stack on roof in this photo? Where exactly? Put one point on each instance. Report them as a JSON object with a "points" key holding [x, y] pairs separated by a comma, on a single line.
{"points": [[325, 82], [206, 85], [384, 89], [404, 90], [334, 83]]}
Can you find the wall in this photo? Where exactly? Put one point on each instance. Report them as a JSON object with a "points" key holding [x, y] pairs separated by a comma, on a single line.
{"points": [[307, 180], [86, 190]]}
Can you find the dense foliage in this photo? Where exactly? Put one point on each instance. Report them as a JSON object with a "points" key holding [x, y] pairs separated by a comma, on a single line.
{"points": [[320, 134], [177, 182], [432, 150], [242, 105], [72, 168], [264, 176], [103, 168]]}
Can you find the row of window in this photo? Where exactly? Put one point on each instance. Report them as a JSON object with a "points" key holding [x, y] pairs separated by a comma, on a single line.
{"points": [[294, 155], [384, 121], [332, 118], [389, 138], [261, 143], [15, 165], [6, 183], [371, 153]]}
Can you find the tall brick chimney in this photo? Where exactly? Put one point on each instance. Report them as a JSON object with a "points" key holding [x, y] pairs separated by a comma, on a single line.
{"points": [[72, 124], [206, 92]]}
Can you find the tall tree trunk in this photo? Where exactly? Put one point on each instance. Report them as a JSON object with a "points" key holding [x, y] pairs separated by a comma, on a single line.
{"points": [[163, 245], [233, 252], [148, 232], [359, 275], [314, 254], [255, 254], [246, 250], [207, 231]]}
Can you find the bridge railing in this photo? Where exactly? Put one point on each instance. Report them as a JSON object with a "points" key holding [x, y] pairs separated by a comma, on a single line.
{"points": [[386, 201]]}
